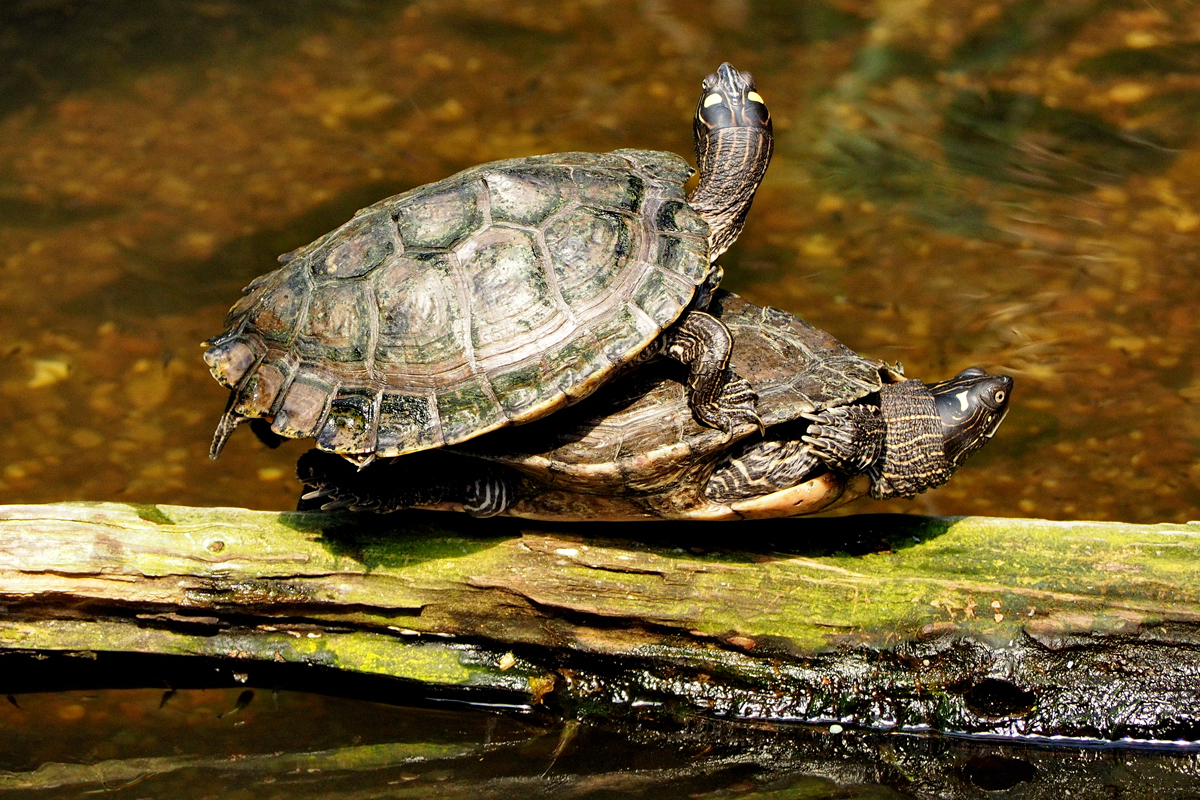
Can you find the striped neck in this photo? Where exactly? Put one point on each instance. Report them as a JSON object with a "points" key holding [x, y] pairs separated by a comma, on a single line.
{"points": [[732, 162], [914, 458]]}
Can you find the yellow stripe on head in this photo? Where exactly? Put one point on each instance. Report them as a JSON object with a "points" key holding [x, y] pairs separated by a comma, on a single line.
{"points": [[755, 96], [712, 100]]}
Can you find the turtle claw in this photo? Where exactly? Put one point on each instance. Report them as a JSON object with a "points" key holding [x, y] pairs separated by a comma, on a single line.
{"points": [[744, 417], [735, 406], [762, 426], [848, 439]]}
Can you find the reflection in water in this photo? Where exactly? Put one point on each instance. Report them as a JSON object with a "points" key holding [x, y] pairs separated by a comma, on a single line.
{"points": [[184, 742], [1003, 185]]}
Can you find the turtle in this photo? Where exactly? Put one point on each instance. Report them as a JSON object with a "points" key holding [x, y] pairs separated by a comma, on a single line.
{"points": [[501, 294], [838, 425]]}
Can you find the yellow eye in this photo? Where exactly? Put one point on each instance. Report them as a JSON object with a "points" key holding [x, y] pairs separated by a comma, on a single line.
{"points": [[754, 97], [712, 100]]}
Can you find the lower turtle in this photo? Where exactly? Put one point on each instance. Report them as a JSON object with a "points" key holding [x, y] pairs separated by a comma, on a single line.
{"points": [[837, 426]]}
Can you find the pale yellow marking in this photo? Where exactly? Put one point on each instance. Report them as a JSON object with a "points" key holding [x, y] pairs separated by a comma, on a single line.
{"points": [[962, 399], [47, 372], [712, 100], [755, 97]]}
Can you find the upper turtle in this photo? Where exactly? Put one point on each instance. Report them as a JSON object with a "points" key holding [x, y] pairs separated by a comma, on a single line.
{"points": [[837, 426], [502, 293]]}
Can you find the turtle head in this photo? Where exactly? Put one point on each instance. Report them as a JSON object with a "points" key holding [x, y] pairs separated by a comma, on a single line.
{"points": [[972, 405], [730, 101]]}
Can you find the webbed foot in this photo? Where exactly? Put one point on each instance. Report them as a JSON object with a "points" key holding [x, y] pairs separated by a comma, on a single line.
{"points": [[735, 405]]}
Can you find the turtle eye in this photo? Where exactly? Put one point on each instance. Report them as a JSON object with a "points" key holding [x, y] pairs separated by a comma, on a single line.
{"points": [[999, 397]]}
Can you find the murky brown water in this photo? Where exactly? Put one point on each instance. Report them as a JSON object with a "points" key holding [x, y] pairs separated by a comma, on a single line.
{"points": [[1006, 184]]}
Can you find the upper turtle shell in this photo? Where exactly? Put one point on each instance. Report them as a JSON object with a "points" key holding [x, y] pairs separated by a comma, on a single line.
{"points": [[492, 297], [638, 434]]}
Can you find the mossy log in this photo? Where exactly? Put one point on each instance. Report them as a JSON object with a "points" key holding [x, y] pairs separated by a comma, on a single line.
{"points": [[1010, 627]]}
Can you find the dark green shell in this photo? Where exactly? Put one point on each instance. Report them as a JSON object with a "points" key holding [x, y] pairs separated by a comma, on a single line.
{"points": [[492, 297]]}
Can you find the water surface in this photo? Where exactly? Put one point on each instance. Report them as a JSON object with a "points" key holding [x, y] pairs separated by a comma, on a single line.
{"points": [[1011, 185]]}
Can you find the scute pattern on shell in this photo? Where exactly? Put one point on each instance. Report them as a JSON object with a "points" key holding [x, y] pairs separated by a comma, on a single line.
{"points": [[494, 296], [638, 434]]}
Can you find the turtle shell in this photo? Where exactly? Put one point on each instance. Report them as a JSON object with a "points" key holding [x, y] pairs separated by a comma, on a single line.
{"points": [[635, 444], [492, 297]]}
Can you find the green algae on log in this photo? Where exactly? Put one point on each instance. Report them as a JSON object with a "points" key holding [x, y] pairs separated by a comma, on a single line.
{"points": [[1011, 627]]}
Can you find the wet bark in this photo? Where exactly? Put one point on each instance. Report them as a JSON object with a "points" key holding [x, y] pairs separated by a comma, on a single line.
{"points": [[1017, 628], [724, 759]]}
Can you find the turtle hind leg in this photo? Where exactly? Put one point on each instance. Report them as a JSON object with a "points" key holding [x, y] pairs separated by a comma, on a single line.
{"points": [[760, 468], [418, 479], [488, 495], [718, 398]]}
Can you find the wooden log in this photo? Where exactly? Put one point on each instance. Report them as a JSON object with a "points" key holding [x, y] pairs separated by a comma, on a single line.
{"points": [[1014, 628]]}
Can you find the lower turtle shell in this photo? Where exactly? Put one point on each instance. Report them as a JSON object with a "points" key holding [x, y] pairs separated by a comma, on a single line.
{"points": [[634, 450], [495, 296]]}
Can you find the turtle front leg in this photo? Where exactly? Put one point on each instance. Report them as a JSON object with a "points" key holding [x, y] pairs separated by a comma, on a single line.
{"points": [[847, 439], [718, 398], [421, 479]]}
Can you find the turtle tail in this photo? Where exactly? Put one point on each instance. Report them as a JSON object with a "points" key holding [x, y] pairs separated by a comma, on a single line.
{"points": [[225, 427], [342, 409], [234, 361], [260, 379]]}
